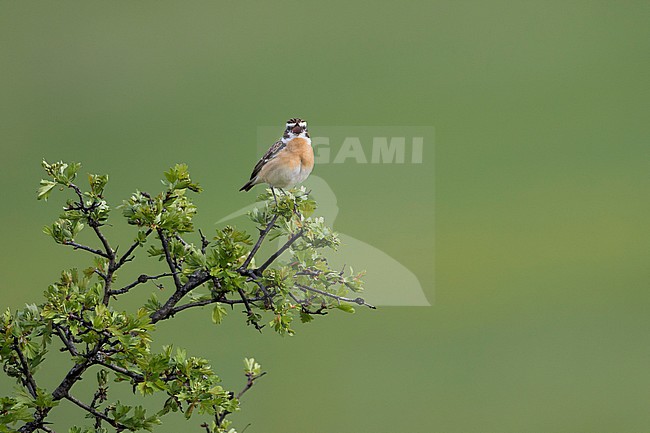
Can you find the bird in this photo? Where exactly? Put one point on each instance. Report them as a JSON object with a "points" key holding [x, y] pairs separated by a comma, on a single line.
{"points": [[288, 161]]}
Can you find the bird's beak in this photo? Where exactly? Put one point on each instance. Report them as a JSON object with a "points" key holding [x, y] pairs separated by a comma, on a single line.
{"points": [[296, 129]]}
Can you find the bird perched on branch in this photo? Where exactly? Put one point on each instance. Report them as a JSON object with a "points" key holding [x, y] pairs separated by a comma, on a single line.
{"points": [[288, 162]]}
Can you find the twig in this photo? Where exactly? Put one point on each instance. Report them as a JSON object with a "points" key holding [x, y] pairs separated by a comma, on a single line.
{"points": [[102, 275], [168, 257], [253, 277], [74, 374], [66, 341], [107, 247], [100, 396], [77, 246], [141, 280], [249, 383], [108, 252], [204, 302], [277, 254], [250, 380], [181, 240], [195, 280], [95, 412], [258, 244], [132, 248], [116, 368], [29, 379], [79, 195], [249, 311], [359, 301], [199, 303], [304, 303], [204, 242], [108, 280]]}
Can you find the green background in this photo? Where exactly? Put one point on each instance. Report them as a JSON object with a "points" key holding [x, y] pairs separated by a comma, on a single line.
{"points": [[540, 321]]}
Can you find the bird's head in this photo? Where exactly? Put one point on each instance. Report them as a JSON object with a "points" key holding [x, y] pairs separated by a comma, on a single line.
{"points": [[295, 128]]}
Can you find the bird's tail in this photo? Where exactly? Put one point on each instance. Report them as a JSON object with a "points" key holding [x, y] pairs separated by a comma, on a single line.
{"points": [[248, 186]]}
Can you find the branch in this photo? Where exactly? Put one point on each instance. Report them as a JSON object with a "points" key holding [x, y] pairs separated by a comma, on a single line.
{"points": [[203, 302], [61, 391], [277, 254], [252, 277], [99, 397], [110, 254], [77, 246], [29, 379], [249, 311], [141, 280], [250, 380], [258, 244], [194, 281], [102, 275], [199, 303], [74, 374], [79, 194], [168, 257], [109, 251], [108, 280], [202, 276], [132, 248], [66, 341], [181, 240], [305, 303], [249, 383], [204, 242], [359, 301], [96, 413], [116, 368]]}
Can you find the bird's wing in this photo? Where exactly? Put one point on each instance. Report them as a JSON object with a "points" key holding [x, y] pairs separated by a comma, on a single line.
{"points": [[269, 155]]}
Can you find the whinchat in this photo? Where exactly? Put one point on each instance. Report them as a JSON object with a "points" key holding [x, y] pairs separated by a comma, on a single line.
{"points": [[288, 162]]}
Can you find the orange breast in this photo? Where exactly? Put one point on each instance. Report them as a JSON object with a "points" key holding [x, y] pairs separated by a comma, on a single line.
{"points": [[302, 148]]}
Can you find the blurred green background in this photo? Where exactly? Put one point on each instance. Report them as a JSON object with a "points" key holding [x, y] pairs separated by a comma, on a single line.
{"points": [[540, 321]]}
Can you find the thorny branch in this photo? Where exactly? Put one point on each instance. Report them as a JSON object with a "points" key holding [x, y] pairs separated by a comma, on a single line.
{"points": [[358, 301], [29, 379], [169, 309], [258, 244], [173, 267], [141, 280], [94, 412], [127, 255], [69, 345], [100, 353], [77, 246], [250, 381], [279, 252]]}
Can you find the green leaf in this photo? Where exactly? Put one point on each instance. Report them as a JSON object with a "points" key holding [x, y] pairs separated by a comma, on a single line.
{"points": [[305, 317], [97, 183], [346, 307], [178, 177], [251, 367], [218, 313], [45, 189]]}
